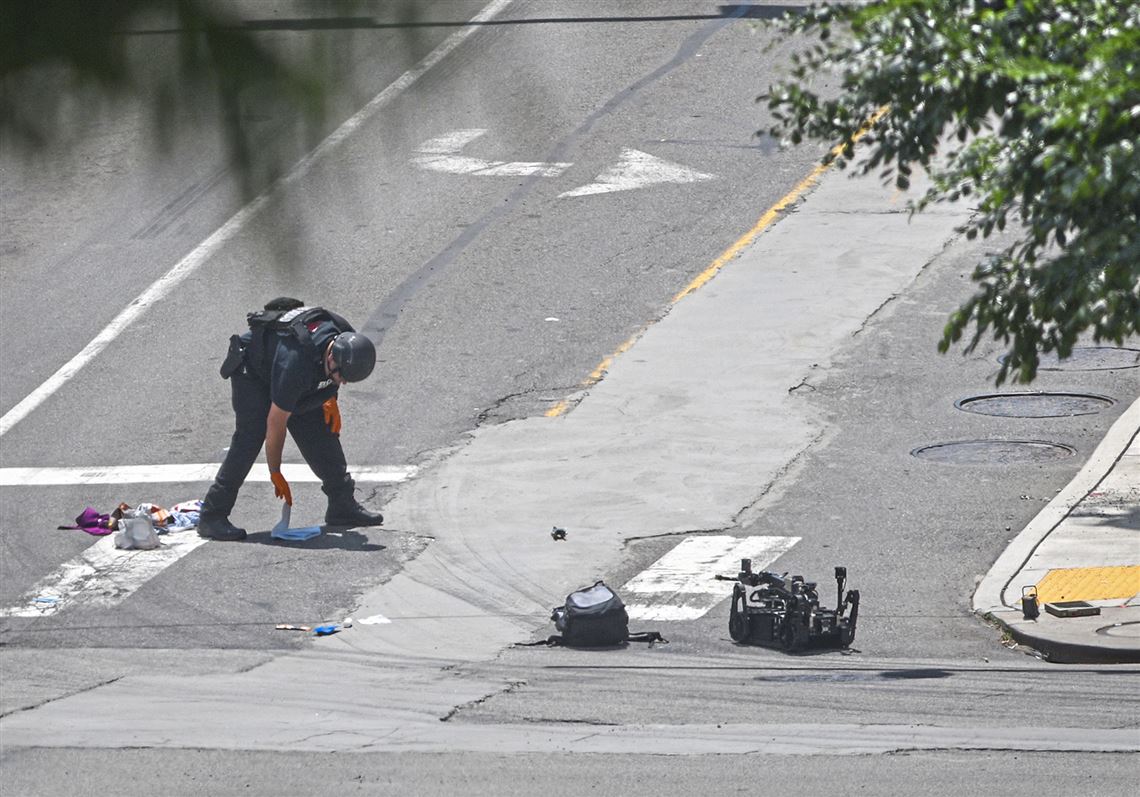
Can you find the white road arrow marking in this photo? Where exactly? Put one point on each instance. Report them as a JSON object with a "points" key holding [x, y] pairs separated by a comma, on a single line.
{"points": [[682, 584], [441, 155], [638, 169], [171, 474]]}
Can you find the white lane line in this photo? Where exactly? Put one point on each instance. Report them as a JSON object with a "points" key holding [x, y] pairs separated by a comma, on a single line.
{"points": [[442, 155], [681, 585], [103, 575], [638, 169], [158, 292], [171, 474]]}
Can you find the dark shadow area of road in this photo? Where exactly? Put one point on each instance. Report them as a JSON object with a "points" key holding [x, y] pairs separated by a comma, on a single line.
{"points": [[330, 537], [368, 23], [1129, 520], [848, 675], [803, 653], [870, 671], [911, 675]]}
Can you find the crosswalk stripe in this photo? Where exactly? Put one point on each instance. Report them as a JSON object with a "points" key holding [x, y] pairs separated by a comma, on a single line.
{"points": [[203, 472], [103, 575], [681, 585]]}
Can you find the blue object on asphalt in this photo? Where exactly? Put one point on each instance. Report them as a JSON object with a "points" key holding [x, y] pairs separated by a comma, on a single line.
{"points": [[325, 630], [306, 533]]}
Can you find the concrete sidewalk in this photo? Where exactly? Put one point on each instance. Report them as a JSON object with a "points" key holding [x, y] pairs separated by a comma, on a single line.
{"points": [[1084, 546]]}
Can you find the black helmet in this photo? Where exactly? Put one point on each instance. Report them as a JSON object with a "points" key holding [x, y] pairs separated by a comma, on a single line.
{"points": [[354, 355]]}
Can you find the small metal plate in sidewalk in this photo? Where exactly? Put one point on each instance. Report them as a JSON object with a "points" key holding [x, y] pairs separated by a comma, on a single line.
{"points": [[1072, 609], [1035, 404], [993, 452]]}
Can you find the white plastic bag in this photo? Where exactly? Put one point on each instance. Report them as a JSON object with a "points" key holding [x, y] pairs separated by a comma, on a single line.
{"points": [[136, 530]]}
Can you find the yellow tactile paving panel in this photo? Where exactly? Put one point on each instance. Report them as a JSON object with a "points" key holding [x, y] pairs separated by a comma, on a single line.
{"points": [[1089, 584]]}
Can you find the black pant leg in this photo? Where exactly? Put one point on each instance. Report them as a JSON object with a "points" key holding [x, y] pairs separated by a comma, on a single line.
{"points": [[250, 399], [322, 450]]}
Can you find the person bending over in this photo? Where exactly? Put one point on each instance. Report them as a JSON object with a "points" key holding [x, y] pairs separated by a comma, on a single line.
{"points": [[285, 373]]}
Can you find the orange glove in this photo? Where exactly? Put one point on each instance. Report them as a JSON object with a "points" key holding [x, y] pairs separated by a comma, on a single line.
{"points": [[281, 487], [332, 415]]}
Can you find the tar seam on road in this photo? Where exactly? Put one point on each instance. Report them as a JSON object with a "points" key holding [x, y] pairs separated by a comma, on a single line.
{"points": [[728, 254], [166, 284]]}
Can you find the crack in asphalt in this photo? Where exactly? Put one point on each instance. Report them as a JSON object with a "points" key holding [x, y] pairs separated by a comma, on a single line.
{"points": [[667, 534], [63, 696], [510, 687], [739, 517], [484, 416]]}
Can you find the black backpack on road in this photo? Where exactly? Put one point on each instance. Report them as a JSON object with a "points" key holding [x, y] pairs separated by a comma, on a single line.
{"points": [[595, 617]]}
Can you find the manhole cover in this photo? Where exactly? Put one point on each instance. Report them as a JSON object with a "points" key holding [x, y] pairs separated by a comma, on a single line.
{"points": [[1089, 358], [993, 452], [1130, 630], [1034, 405]]}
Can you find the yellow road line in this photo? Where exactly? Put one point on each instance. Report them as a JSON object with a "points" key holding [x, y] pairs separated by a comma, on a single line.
{"points": [[764, 222]]}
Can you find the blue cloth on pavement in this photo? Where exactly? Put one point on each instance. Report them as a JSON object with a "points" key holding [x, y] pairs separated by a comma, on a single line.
{"points": [[306, 533]]}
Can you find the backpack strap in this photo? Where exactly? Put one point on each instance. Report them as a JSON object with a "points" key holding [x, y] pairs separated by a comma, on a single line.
{"points": [[550, 642], [555, 641], [647, 636]]}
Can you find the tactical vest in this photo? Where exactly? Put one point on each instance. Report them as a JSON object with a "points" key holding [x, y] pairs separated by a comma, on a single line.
{"points": [[293, 321]]}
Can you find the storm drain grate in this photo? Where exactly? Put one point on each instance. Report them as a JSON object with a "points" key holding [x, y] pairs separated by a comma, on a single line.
{"points": [[993, 452], [1089, 358], [1035, 405]]}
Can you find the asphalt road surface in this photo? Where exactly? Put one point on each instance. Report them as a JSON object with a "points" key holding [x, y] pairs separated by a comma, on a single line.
{"points": [[532, 202]]}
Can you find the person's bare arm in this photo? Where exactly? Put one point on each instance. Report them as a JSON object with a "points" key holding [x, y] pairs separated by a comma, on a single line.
{"points": [[276, 425]]}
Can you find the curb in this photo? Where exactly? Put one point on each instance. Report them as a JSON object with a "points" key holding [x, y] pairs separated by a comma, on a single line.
{"points": [[1055, 643], [1063, 646]]}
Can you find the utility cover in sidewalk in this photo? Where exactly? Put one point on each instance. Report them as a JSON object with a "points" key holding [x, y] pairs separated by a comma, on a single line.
{"points": [[1035, 405], [993, 452], [1089, 358], [1072, 609], [1130, 630]]}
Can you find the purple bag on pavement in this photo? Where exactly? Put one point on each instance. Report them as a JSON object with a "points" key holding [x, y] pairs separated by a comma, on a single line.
{"points": [[92, 521]]}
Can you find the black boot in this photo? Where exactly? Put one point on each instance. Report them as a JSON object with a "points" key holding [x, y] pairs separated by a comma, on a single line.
{"points": [[347, 512], [218, 527]]}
